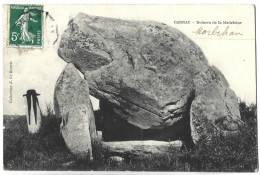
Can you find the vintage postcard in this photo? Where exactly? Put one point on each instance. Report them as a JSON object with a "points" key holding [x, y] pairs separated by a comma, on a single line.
{"points": [[129, 88]]}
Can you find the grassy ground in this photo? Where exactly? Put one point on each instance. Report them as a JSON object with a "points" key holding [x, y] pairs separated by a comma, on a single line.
{"points": [[46, 150]]}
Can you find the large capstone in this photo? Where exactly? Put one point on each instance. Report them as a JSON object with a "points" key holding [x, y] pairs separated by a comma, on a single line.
{"points": [[151, 75], [73, 105]]}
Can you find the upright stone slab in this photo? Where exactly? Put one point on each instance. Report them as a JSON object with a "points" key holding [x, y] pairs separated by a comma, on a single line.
{"points": [[73, 105]]}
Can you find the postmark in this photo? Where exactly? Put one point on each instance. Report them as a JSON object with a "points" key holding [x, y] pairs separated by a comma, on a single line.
{"points": [[25, 26]]}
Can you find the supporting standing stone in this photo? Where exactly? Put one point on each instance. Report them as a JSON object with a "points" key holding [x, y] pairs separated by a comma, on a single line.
{"points": [[73, 105]]}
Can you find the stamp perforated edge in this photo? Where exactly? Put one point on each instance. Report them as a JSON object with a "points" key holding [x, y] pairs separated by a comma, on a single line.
{"points": [[8, 29]]}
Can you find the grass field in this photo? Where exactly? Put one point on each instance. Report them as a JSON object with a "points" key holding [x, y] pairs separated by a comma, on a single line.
{"points": [[46, 150]]}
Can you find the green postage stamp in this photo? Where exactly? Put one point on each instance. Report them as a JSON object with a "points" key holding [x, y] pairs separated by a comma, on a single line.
{"points": [[25, 26]]}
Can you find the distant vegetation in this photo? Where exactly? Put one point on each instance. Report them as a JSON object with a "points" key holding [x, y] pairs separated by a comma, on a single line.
{"points": [[47, 150]]}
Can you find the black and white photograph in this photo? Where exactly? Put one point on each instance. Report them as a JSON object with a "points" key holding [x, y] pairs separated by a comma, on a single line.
{"points": [[136, 88]]}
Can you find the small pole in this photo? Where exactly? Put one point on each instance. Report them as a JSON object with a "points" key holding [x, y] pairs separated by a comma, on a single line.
{"points": [[33, 111]]}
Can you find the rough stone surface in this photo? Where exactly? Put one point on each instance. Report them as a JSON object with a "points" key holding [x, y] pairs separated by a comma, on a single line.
{"points": [[152, 74], [116, 159], [141, 148], [73, 105], [214, 107]]}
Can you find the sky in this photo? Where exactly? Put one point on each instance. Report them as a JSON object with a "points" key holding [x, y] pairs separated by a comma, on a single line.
{"points": [[39, 69]]}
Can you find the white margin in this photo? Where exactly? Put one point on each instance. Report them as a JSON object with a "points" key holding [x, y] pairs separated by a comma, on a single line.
{"points": [[195, 2]]}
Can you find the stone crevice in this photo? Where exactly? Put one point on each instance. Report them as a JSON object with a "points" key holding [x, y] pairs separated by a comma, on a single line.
{"points": [[123, 99]]}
